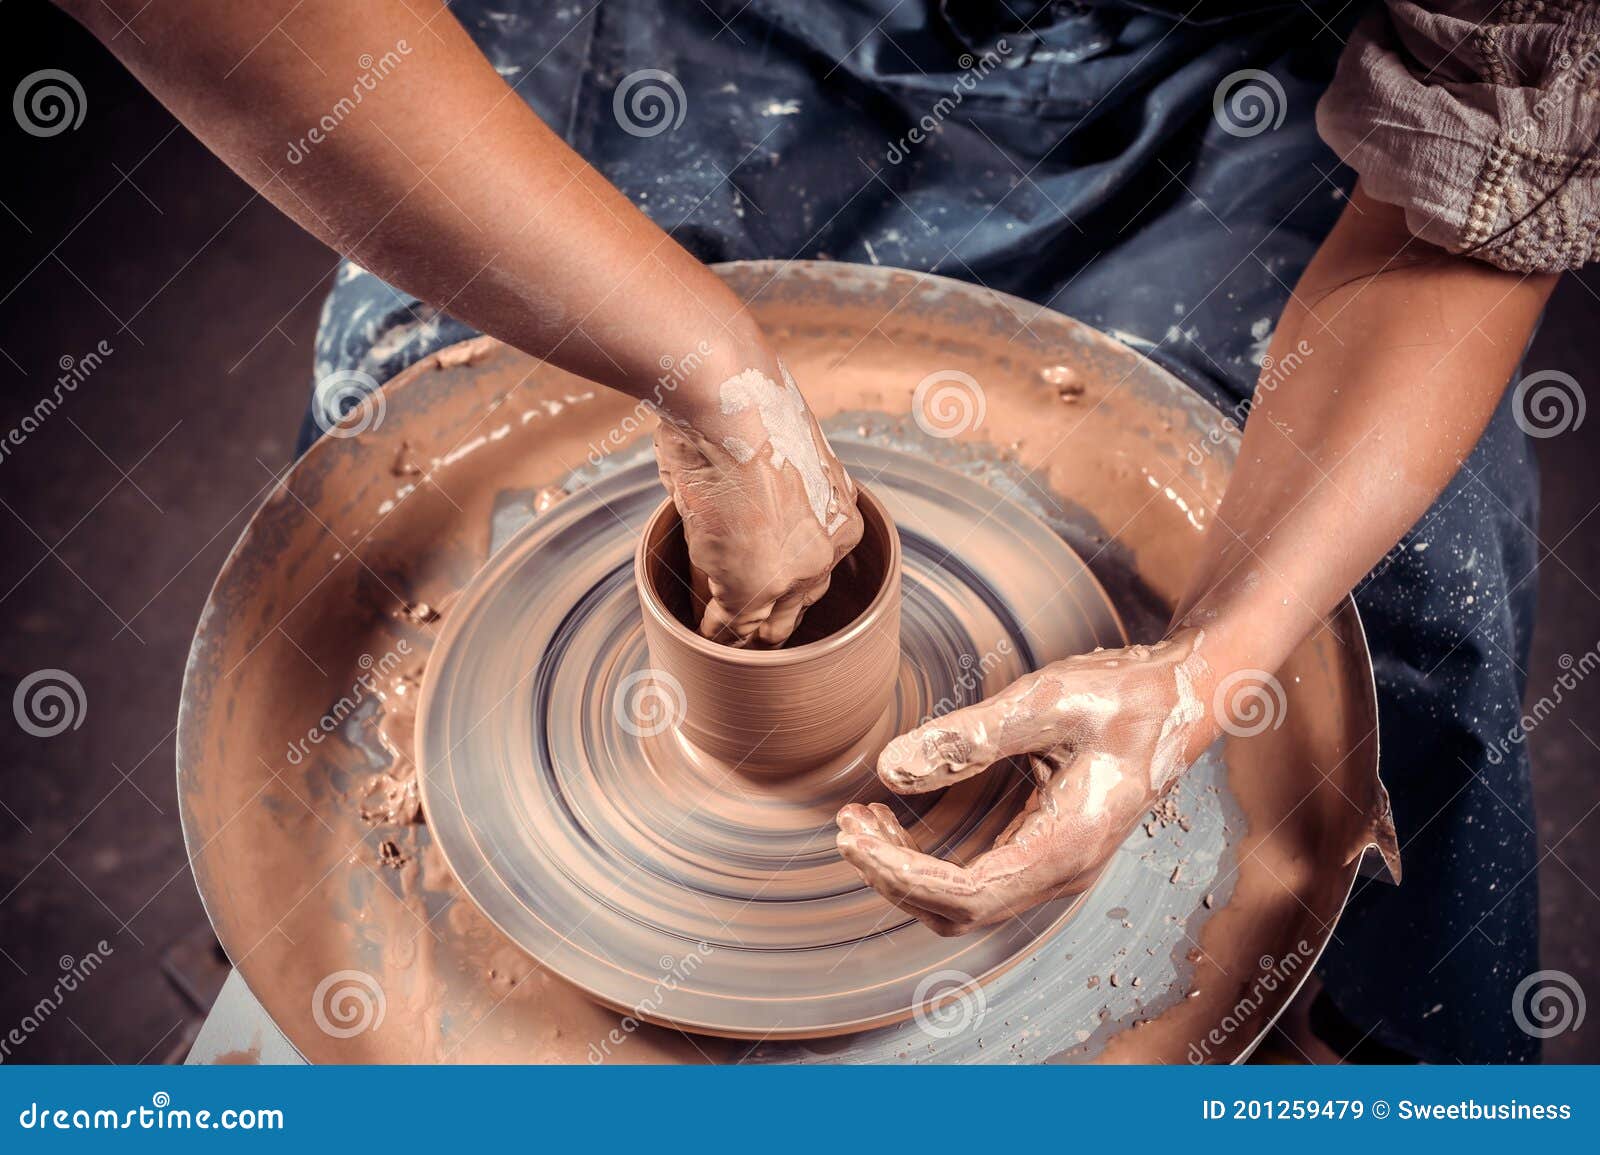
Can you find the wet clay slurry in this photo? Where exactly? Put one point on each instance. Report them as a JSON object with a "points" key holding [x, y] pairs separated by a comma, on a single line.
{"points": [[791, 710], [615, 792], [307, 878]]}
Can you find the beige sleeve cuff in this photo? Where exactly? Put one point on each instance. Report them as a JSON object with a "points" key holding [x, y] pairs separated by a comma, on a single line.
{"points": [[1482, 121]]}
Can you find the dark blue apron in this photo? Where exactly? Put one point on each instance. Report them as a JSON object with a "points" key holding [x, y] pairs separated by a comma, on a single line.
{"points": [[1086, 170]]}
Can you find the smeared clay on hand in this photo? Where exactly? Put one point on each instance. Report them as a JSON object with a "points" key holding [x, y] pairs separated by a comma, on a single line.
{"points": [[767, 508], [1102, 736]]}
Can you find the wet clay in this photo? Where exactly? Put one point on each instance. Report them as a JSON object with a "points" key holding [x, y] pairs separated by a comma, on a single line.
{"points": [[1256, 858], [1103, 737], [767, 510], [567, 777], [855, 582], [796, 708]]}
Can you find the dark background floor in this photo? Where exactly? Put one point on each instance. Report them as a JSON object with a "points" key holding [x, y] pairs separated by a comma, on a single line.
{"points": [[118, 512]]}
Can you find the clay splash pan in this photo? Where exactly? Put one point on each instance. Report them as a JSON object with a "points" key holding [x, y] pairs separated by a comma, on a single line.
{"points": [[696, 891], [318, 869]]}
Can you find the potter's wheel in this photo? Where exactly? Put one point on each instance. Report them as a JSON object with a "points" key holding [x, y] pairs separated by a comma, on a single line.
{"points": [[684, 890], [348, 926]]}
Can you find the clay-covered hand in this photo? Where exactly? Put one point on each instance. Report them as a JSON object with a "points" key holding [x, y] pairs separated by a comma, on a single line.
{"points": [[1103, 735], [767, 508]]}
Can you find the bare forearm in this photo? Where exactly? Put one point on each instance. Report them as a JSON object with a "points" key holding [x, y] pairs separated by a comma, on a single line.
{"points": [[1385, 369], [380, 128]]}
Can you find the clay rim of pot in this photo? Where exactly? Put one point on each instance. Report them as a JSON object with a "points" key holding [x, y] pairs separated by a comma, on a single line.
{"points": [[876, 518]]}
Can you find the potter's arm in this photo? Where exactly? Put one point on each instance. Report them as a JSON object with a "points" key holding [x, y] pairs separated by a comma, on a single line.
{"points": [[434, 174], [1390, 359], [441, 180]]}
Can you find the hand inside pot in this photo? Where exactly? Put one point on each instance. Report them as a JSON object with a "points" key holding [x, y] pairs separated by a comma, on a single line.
{"points": [[767, 508]]}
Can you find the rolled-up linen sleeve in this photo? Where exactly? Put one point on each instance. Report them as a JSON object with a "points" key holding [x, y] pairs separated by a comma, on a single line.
{"points": [[1479, 119]]}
